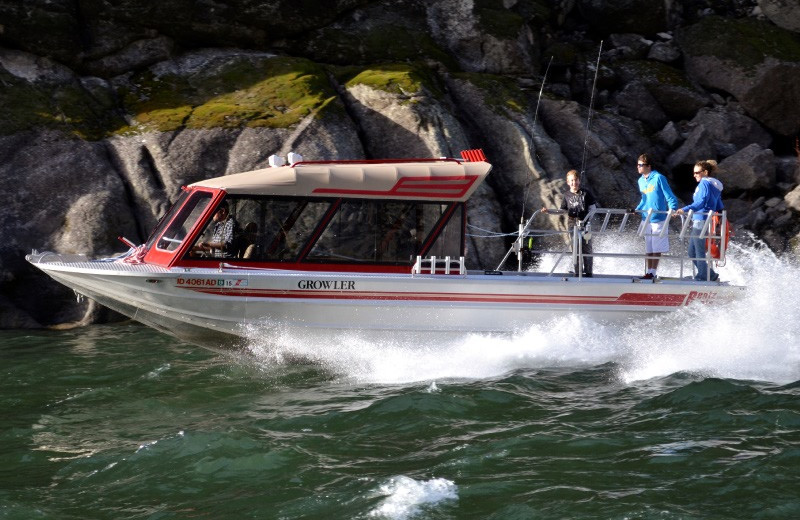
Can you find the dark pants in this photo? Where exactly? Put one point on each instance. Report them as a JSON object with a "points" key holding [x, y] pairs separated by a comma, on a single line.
{"points": [[586, 248]]}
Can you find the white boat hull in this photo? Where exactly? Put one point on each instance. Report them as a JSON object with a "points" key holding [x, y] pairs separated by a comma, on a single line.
{"points": [[196, 303]]}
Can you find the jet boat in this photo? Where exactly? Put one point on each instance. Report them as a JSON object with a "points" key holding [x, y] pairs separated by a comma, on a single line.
{"points": [[362, 244]]}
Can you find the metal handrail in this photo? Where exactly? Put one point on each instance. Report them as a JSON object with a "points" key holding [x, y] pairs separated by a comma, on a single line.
{"points": [[576, 251]]}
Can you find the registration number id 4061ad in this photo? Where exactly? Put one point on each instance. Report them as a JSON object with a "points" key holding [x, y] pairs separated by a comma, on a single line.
{"points": [[211, 282]]}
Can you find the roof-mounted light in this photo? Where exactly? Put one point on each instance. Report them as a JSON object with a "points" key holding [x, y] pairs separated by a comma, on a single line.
{"points": [[276, 161], [293, 158]]}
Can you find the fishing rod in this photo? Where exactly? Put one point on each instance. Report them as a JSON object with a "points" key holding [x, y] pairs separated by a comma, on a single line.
{"points": [[523, 226], [591, 107], [533, 131]]}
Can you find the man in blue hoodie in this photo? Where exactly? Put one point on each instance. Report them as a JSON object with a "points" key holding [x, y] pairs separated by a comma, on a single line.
{"points": [[658, 196], [707, 198]]}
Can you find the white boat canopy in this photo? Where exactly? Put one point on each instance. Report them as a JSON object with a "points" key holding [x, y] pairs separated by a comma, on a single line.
{"points": [[414, 179]]}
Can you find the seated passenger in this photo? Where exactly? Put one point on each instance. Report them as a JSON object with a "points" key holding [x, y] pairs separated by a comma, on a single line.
{"points": [[221, 243], [249, 245]]}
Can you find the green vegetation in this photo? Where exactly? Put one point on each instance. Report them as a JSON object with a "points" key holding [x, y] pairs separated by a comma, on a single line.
{"points": [[395, 78], [744, 41], [249, 92], [266, 92], [68, 107], [500, 93], [273, 92], [651, 72]]}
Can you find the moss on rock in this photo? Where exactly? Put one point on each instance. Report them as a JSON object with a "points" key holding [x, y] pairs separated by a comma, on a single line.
{"points": [[274, 92], [651, 72], [67, 107], [397, 78], [500, 93]]}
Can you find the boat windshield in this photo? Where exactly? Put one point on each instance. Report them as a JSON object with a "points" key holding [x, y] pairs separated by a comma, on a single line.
{"points": [[166, 219], [178, 227]]}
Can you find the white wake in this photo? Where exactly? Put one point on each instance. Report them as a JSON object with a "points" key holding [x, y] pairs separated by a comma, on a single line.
{"points": [[755, 338]]}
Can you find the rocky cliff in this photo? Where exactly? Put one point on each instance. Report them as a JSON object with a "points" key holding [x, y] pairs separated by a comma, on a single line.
{"points": [[108, 108]]}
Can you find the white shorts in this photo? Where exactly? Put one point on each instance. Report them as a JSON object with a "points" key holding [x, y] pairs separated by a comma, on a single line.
{"points": [[653, 243]]}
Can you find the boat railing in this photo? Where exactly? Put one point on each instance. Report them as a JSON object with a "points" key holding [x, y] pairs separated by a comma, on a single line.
{"points": [[434, 265], [611, 221]]}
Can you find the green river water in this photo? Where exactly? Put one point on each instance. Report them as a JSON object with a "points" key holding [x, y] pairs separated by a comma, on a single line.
{"points": [[691, 416]]}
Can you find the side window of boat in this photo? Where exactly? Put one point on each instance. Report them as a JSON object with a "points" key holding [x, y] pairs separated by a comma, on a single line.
{"points": [[246, 212], [401, 227], [286, 226], [184, 221], [303, 226], [350, 235], [238, 231], [272, 229], [377, 231], [449, 240]]}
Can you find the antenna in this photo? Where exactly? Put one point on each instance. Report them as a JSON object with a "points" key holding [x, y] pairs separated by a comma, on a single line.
{"points": [[591, 106]]}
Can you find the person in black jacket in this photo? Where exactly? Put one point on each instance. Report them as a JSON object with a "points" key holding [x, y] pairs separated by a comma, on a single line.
{"points": [[577, 203]]}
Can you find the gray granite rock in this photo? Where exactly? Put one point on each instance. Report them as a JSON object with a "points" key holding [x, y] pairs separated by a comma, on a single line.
{"points": [[757, 63], [752, 168], [783, 13]]}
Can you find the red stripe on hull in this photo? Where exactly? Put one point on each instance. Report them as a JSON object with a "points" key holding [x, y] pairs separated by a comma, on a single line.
{"points": [[647, 300]]}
